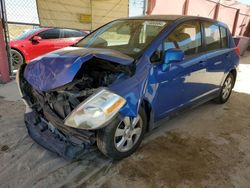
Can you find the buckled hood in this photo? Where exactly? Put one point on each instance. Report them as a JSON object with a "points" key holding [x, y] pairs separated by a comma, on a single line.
{"points": [[60, 67]]}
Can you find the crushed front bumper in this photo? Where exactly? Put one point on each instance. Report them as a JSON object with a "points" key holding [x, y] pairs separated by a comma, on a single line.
{"points": [[67, 146]]}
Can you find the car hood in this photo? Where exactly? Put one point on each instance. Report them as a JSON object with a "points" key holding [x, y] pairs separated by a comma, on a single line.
{"points": [[14, 43], [60, 67]]}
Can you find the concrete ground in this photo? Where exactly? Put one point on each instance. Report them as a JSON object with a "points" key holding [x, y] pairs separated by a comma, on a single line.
{"points": [[205, 147]]}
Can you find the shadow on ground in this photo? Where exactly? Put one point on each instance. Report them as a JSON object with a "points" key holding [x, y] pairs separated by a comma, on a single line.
{"points": [[205, 146]]}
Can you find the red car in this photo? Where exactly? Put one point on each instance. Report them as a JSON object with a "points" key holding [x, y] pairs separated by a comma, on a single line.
{"points": [[36, 42]]}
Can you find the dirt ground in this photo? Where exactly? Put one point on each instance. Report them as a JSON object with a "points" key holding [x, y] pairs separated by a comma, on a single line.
{"points": [[205, 147]]}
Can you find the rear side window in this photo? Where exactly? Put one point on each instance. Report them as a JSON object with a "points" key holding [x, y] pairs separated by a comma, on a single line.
{"points": [[212, 36], [186, 37], [68, 33], [224, 38], [50, 34]]}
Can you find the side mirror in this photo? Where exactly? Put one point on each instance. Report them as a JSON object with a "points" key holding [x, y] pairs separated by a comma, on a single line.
{"points": [[170, 56], [36, 39]]}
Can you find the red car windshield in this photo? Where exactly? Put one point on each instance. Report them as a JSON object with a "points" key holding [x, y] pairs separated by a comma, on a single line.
{"points": [[27, 33]]}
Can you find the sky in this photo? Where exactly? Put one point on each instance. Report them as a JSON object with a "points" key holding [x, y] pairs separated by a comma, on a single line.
{"points": [[245, 1], [26, 11]]}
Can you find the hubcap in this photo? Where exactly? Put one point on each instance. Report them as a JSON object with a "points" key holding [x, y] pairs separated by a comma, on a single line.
{"points": [[227, 88], [16, 59], [128, 133]]}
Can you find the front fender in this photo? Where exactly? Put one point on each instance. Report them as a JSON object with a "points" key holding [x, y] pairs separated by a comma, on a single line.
{"points": [[133, 89], [20, 48]]}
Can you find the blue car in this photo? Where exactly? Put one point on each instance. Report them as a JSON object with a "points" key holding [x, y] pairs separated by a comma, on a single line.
{"points": [[118, 82]]}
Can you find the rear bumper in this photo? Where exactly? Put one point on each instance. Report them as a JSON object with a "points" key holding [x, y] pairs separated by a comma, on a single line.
{"points": [[52, 139]]}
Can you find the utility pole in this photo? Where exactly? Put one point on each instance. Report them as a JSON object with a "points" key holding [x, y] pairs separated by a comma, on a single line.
{"points": [[4, 65], [145, 5]]}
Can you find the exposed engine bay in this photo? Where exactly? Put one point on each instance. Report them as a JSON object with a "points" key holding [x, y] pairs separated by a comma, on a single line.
{"points": [[93, 74], [50, 108]]}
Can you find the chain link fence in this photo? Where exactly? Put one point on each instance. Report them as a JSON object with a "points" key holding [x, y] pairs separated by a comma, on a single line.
{"points": [[17, 29], [22, 11], [21, 16]]}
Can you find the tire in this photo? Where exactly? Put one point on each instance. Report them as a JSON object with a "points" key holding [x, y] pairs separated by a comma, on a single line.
{"points": [[117, 147], [226, 89], [17, 59]]}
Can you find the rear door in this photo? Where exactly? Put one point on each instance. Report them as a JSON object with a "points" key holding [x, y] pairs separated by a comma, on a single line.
{"points": [[218, 53]]}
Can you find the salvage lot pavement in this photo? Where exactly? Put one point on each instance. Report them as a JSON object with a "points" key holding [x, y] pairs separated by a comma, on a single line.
{"points": [[204, 147]]}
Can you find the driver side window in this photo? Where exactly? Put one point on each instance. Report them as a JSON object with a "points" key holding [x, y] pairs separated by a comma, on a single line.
{"points": [[186, 37], [50, 34]]}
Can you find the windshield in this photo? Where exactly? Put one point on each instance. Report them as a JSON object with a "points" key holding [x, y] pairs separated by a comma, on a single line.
{"points": [[127, 36], [27, 33]]}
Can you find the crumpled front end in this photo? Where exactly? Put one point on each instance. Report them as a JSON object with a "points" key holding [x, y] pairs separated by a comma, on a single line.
{"points": [[47, 128], [48, 105], [43, 133]]}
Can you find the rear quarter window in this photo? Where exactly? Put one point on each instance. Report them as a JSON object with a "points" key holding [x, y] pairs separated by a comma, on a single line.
{"points": [[69, 33], [212, 36], [224, 37]]}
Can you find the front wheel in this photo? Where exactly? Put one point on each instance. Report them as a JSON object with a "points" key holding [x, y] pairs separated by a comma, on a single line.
{"points": [[122, 137], [17, 59], [226, 89]]}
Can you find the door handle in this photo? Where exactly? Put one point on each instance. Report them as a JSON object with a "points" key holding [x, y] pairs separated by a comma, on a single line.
{"points": [[202, 63]]}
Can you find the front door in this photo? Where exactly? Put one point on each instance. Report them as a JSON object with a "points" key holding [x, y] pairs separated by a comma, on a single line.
{"points": [[182, 82], [50, 41]]}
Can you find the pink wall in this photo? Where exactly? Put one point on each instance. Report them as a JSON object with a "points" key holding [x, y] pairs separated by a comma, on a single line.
{"points": [[168, 7], [204, 8], [201, 8], [227, 16]]}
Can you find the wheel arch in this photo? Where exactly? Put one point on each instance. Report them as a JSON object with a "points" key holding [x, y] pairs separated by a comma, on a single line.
{"points": [[24, 58], [145, 104], [234, 73]]}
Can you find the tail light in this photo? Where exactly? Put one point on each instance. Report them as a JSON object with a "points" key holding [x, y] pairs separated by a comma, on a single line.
{"points": [[237, 50]]}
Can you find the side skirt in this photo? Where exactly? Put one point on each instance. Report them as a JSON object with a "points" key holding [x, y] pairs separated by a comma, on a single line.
{"points": [[183, 109]]}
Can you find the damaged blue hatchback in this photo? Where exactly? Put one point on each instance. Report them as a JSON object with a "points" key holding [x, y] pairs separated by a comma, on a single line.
{"points": [[120, 80]]}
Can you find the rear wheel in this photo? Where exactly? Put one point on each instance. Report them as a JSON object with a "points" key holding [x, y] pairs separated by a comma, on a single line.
{"points": [[122, 137], [17, 59], [226, 89]]}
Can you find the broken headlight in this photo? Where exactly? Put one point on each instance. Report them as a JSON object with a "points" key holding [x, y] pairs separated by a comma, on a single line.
{"points": [[96, 110]]}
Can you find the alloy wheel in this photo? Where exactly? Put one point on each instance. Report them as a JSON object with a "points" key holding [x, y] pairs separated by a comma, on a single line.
{"points": [[17, 59], [227, 88], [128, 133]]}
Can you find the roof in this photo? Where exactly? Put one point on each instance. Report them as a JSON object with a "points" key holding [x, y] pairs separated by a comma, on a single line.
{"points": [[168, 17], [159, 17], [173, 18]]}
